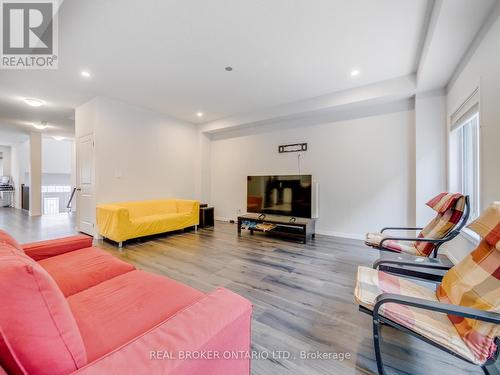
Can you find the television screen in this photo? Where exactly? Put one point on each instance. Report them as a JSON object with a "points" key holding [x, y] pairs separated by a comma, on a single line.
{"points": [[280, 195]]}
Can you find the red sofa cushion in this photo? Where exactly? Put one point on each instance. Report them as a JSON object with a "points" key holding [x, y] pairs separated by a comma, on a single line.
{"points": [[49, 248], [9, 240], [80, 269], [117, 310], [217, 323], [39, 332]]}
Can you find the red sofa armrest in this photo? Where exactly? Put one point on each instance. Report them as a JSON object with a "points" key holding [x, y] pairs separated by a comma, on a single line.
{"points": [[46, 249], [216, 327]]}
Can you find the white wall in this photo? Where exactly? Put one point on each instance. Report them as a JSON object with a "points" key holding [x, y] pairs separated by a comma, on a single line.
{"points": [[35, 166], [56, 156], [203, 171], [142, 154], [481, 71], [365, 170], [20, 169], [6, 163], [430, 151]]}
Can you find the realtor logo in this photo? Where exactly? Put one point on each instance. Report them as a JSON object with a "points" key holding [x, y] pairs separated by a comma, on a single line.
{"points": [[29, 34]]}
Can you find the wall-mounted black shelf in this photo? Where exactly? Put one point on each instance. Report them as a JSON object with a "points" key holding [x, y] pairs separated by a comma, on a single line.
{"points": [[294, 147]]}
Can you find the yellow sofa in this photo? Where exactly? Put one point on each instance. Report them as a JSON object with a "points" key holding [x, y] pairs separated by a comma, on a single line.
{"points": [[126, 220]]}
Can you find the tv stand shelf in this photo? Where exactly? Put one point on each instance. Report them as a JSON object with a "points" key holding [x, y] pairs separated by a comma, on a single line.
{"points": [[301, 228]]}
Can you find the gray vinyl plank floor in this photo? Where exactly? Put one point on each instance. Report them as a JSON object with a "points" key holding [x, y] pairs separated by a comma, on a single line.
{"points": [[302, 294]]}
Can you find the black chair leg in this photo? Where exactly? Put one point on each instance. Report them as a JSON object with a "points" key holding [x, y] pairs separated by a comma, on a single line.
{"points": [[376, 344], [491, 369]]}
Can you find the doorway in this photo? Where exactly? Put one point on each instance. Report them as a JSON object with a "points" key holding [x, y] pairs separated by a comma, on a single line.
{"points": [[57, 175]]}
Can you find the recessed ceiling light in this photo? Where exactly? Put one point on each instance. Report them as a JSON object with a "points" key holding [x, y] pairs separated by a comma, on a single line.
{"points": [[85, 74], [355, 73], [33, 102], [41, 125], [57, 138], [228, 68], [199, 114]]}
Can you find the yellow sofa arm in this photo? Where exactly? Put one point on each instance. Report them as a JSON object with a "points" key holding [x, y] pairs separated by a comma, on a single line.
{"points": [[188, 206], [113, 222], [196, 212]]}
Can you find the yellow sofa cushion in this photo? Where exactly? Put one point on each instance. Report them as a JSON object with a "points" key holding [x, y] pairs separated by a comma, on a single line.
{"points": [[161, 223]]}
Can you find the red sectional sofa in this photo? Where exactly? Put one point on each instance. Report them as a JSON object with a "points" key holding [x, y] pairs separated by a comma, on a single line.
{"points": [[69, 308]]}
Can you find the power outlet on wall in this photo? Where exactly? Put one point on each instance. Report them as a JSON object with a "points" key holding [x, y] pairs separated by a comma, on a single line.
{"points": [[238, 211]]}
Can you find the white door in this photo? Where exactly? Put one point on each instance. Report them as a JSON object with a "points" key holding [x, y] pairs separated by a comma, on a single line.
{"points": [[85, 184]]}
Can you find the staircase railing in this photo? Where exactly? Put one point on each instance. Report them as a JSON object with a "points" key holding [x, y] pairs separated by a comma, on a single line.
{"points": [[68, 206]]}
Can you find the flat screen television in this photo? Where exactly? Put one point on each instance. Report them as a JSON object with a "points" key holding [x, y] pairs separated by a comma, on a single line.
{"points": [[289, 195]]}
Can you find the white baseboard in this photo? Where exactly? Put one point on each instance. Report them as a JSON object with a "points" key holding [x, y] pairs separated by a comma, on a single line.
{"points": [[226, 219], [352, 236]]}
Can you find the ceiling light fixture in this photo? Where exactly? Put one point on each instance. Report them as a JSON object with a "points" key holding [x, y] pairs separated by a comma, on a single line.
{"points": [[355, 73], [85, 74], [57, 138], [228, 68], [41, 126], [199, 114], [33, 102]]}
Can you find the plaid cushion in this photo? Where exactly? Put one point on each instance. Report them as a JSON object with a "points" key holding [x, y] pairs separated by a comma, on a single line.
{"points": [[430, 324], [488, 225], [475, 282], [450, 209], [374, 239], [444, 201]]}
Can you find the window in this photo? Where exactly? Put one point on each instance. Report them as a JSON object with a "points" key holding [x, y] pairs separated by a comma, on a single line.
{"points": [[464, 158], [56, 189]]}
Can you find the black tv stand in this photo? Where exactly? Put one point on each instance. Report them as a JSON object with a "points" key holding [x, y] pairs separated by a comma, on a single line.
{"points": [[286, 226]]}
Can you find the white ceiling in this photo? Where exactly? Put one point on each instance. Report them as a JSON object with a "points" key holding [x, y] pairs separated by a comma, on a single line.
{"points": [[453, 27], [170, 55]]}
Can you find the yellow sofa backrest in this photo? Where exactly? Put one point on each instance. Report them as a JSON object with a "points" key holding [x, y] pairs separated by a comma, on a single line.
{"points": [[155, 207], [148, 208]]}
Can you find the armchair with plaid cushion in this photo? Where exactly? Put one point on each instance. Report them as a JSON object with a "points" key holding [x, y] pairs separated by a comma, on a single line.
{"points": [[461, 317], [452, 213]]}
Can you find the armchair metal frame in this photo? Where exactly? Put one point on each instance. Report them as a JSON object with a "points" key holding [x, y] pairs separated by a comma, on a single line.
{"points": [[428, 269], [466, 312], [436, 241]]}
